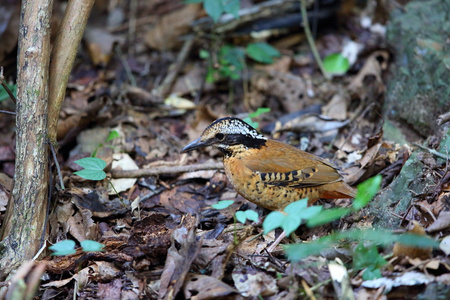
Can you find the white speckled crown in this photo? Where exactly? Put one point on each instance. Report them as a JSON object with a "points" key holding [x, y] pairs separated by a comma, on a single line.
{"points": [[231, 125]]}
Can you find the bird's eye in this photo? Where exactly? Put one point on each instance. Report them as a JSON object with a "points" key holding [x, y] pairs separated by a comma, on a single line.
{"points": [[220, 136]]}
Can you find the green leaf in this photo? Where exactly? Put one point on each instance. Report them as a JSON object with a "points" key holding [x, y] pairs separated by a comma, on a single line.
{"points": [[91, 246], [213, 8], [310, 213], [91, 163], [367, 257], [222, 204], [327, 216], [262, 52], [210, 75], [272, 221], [240, 216], [232, 7], [295, 212], [415, 240], [290, 223], [63, 248], [251, 123], [252, 215], [203, 54], [112, 135], [243, 216], [259, 111], [336, 64], [366, 191], [296, 207], [375, 236], [91, 174], [232, 61], [93, 168], [370, 274], [298, 252]]}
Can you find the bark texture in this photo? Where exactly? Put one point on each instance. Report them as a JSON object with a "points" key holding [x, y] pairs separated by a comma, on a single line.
{"points": [[24, 223], [63, 55]]}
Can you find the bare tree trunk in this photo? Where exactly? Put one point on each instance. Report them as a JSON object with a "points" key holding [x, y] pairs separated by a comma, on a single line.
{"points": [[25, 218]]}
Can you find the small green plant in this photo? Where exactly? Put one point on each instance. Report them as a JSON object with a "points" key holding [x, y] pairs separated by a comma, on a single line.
{"points": [[336, 64], [258, 112], [215, 8], [369, 259], [292, 216], [262, 52], [112, 135], [381, 237], [249, 214], [241, 216], [67, 247], [365, 192], [231, 60], [222, 204]]}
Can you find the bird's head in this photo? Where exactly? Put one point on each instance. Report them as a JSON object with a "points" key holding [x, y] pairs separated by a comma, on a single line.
{"points": [[228, 135]]}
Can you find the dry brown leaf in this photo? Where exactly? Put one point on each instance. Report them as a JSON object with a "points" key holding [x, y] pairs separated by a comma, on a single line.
{"points": [[181, 254], [281, 65], [110, 290], [311, 123], [203, 117], [99, 43], [441, 223], [251, 282], [372, 67], [82, 278], [290, 90], [81, 226], [202, 287], [336, 108], [165, 35]]}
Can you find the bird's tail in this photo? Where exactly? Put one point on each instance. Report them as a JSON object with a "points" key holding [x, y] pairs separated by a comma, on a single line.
{"points": [[337, 190]]}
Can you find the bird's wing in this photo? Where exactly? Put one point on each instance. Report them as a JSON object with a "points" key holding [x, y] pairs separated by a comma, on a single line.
{"points": [[284, 165]]}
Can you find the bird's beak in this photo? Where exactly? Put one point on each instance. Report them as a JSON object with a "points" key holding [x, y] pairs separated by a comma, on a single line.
{"points": [[196, 144]]}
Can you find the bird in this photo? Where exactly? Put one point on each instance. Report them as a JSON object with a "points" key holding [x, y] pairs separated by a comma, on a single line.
{"points": [[267, 172]]}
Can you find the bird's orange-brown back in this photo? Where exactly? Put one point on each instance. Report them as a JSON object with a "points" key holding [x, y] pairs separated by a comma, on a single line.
{"points": [[277, 174]]}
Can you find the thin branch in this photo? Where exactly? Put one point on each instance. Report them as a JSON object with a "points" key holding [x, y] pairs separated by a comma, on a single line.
{"points": [[311, 40], [432, 151], [63, 56], [5, 86], [164, 170], [58, 169], [443, 118], [164, 89], [7, 112]]}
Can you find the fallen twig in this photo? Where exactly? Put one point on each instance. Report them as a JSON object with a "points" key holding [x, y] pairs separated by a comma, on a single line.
{"points": [[443, 118], [164, 170], [432, 151]]}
